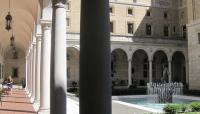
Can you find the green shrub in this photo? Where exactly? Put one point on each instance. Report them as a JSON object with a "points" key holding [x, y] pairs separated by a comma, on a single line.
{"points": [[133, 86], [183, 107], [195, 106], [172, 108]]}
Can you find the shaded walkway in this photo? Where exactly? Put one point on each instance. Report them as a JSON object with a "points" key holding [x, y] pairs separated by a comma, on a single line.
{"points": [[16, 103]]}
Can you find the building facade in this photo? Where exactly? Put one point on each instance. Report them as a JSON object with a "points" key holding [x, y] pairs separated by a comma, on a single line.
{"points": [[193, 42], [146, 37]]}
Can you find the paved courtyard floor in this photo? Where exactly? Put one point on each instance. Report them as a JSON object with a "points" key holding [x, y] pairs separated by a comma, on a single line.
{"points": [[16, 103]]}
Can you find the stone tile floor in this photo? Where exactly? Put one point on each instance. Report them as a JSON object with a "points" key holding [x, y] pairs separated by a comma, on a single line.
{"points": [[16, 103]]}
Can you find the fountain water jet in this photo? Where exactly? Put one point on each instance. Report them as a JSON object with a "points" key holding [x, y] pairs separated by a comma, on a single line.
{"points": [[163, 92]]}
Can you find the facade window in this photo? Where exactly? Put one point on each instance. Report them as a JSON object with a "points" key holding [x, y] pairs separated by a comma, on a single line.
{"points": [[165, 15], [184, 29], [15, 72], [130, 11], [148, 29], [68, 57], [182, 15], [68, 72], [174, 29], [148, 13], [112, 27], [68, 6], [130, 28], [68, 21], [111, 9], [134, 1], [166, 30], [199, 37], [180, 3]]}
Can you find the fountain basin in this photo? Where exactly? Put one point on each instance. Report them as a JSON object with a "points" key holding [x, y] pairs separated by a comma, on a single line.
{"points": [[148, 103]]}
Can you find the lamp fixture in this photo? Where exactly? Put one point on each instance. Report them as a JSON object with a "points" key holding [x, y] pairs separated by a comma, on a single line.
{"points": [[8, 19]]}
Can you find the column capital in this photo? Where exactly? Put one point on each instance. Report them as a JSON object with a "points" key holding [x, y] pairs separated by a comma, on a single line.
{"points": [[46, 24], [150, 60], [129, 60], [38, 37], [59, 3]]}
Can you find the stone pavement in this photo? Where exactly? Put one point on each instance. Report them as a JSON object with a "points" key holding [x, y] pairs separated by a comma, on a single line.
{"points": [[16, 103]]}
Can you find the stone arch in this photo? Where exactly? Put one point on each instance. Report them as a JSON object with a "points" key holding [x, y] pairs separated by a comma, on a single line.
{"points": [[178, 67], [140, 67], [119, 67], [160, 61], [72, 65]]}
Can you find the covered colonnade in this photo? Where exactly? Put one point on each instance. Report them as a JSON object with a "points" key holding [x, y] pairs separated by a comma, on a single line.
{"points": [[39, 30]]}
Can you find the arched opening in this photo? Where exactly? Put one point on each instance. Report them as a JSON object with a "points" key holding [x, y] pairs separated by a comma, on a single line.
{"points": [[119, 67], [178, 67], [140, 68], [72, 66], [160, 62], [15, 64]]}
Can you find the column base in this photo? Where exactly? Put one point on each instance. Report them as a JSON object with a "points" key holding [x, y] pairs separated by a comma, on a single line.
{"points": [[29, 94], [36, 105], [32, 100], [43, 111]]}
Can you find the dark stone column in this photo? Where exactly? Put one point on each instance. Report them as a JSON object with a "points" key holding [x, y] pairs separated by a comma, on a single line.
{"points": [[95, 82], [58, 59]]}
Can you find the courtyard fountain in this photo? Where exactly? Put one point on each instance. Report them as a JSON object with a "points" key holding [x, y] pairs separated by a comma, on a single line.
{"points": [[163, 92]]}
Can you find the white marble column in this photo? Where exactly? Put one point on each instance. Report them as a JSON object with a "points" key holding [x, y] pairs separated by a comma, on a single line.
{"points": [[58, 61], [30, 70], [37, 68], [169, 71], [45, 69], [150, 71], [26, 80], [129, 72], [33, 70]]}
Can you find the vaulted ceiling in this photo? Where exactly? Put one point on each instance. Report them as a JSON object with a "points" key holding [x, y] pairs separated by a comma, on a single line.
{"points": [[24, 14]]}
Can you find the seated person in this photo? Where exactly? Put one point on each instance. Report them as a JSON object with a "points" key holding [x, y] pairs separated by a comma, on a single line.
{"points": [[9, 82]]}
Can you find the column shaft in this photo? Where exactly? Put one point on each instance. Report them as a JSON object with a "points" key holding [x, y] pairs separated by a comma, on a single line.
{"points": [[187, 71], [150, 71], [37, 68], [129, 73], [58, 61], [33, 71], [169, 71], [95, 79], [45, 71]]}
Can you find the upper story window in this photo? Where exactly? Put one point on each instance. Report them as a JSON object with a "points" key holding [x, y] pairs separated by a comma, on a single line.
{"points": [[111, 9], [148, 29], [165, 15], [130, 11], [130, 27], [112, 27], [182, 15], [134, 1], [68, 21], [68, 6], [148, 13], [166, 30], [199, 37], [184, 29], [180, 3]]}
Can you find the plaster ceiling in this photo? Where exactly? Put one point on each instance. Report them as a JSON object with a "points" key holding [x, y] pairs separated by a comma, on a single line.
{"points": [[24, 14]]}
